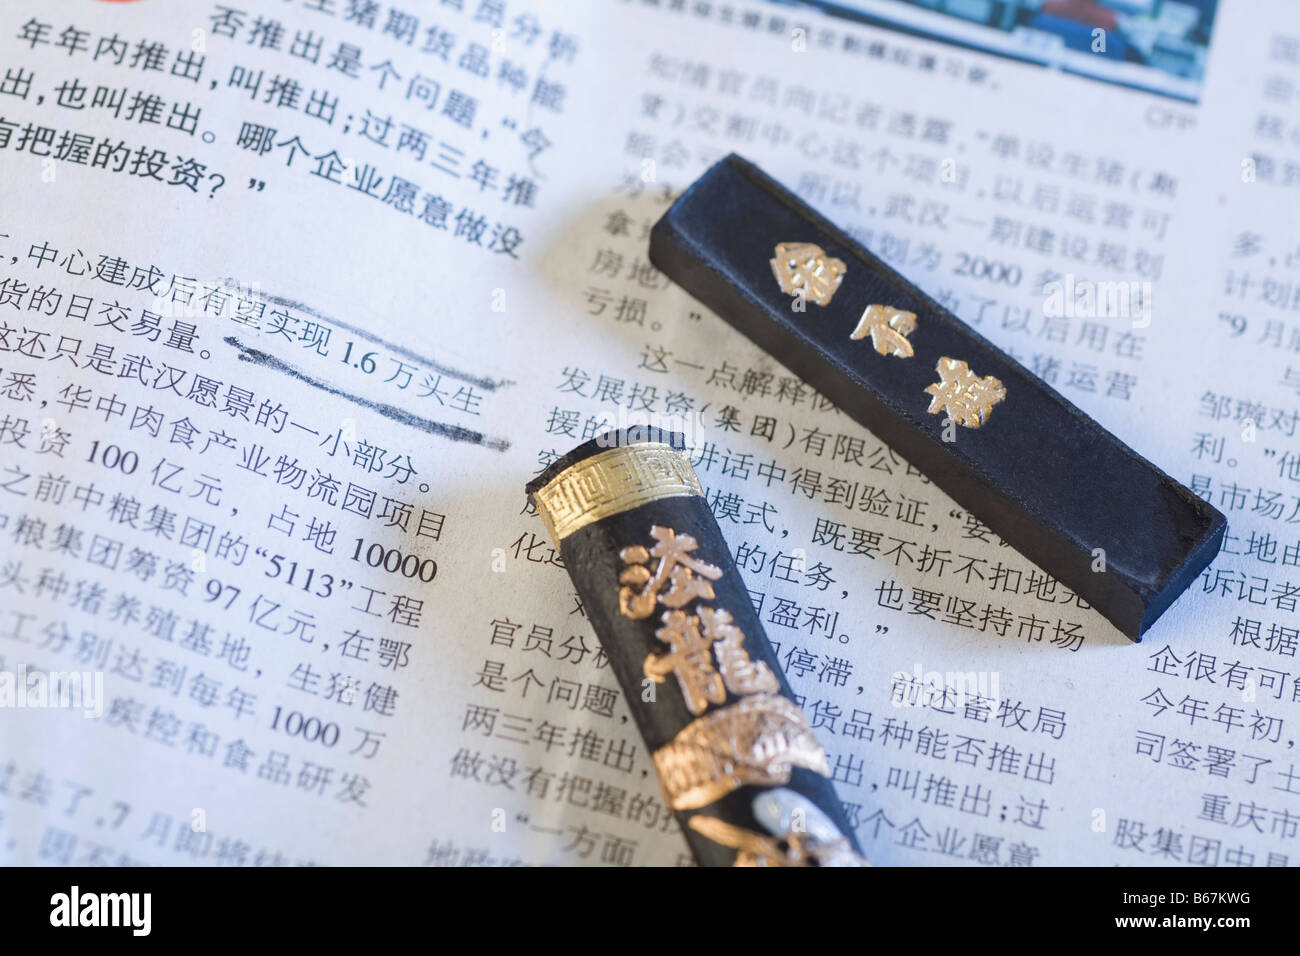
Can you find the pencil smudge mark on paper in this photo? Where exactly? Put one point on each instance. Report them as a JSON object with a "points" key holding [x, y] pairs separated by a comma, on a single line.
{"points": [[479, 381], [401, 416]]}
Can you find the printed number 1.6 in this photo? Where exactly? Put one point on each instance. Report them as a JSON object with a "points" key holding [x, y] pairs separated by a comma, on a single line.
{"points": [[366, 364]]}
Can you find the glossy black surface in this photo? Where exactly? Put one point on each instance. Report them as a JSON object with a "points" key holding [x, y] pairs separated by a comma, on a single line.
{"points": [[591, 556], [1040, 473]]}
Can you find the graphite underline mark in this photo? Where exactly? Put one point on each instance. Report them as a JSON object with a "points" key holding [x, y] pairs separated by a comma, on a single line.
{"points": [[391, 412], [482, 381]]}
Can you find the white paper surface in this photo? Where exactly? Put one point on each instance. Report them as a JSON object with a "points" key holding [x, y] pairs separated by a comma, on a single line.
{"points": [[474, 721]]}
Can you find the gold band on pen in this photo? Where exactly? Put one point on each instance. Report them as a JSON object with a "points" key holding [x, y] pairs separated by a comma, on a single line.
{"points": [[612, 482]]}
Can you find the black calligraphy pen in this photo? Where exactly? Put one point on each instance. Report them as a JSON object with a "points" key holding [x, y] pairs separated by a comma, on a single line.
{"points": [[736, 759]]}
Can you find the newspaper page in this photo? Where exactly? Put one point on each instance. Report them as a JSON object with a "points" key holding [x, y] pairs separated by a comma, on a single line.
{"points": [[296, 296]]}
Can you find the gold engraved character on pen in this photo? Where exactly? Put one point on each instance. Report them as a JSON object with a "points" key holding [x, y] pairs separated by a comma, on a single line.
{"points": [[703, 682], [689, 660], [686, 576], [967, 398], [803, 270], [888, 327], [741, 674]]}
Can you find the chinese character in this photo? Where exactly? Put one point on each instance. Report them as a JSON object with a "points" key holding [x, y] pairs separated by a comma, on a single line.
{"points": [[967, 399], [888, 328], [689, 659], [802, 269], [741, 675], [675, 567]]}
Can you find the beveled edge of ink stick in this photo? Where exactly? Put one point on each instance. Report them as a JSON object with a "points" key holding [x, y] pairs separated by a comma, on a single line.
{"points": [[706, 242]]}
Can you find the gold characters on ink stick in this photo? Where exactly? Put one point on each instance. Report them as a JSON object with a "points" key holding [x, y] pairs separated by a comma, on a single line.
{"points": [[888, 327], [674, 566], [965, 397], [757, 739], [697, 640], [803, 269]]}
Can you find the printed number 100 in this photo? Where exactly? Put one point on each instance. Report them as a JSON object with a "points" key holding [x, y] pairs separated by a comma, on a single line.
{"points": [[394, 561], [113, 457]]}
